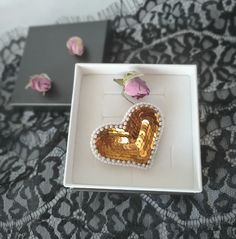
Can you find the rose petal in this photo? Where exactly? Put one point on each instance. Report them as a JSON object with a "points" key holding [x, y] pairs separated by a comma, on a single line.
{"points": [[40, 83], [136, 88], [75, 46]]}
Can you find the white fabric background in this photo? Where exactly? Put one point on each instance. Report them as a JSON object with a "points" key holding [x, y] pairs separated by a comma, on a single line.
{"points": [[24, 13]]}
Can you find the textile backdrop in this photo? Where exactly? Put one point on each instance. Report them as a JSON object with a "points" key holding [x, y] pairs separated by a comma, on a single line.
{"points": [[33, 201]]}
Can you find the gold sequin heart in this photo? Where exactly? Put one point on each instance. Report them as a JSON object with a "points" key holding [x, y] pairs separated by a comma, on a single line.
{"points": [[134, 141]]}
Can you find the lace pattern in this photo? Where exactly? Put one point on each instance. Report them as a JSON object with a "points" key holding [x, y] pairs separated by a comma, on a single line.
{"points": [[33, 201]]}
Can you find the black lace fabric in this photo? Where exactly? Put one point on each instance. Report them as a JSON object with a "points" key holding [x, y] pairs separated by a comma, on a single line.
{"points": [[33, 201]]}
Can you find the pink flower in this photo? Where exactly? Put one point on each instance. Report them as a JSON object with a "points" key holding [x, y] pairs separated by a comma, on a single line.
{"points": [[75, 46], [136, 88], [41, 83], [133, 85]]}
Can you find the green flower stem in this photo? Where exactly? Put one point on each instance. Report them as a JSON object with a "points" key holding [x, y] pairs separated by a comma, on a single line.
{"points": [[123, 94]]}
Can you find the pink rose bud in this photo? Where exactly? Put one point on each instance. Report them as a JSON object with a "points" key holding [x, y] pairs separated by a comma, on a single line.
{"points": [[75, 46], [136, 87], [41, 83], [133, 85]]}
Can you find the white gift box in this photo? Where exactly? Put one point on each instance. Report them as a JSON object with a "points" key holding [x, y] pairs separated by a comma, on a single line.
{"points": [[97, 100]]}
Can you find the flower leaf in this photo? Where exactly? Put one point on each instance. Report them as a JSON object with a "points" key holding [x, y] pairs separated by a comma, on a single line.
{"points": [[119, 81]]}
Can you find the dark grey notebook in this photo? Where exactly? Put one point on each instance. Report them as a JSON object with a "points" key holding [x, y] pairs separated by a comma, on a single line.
{"points": [[46, 52]]}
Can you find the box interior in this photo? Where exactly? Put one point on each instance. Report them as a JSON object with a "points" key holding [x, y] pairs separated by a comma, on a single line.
{"points": [[97, 100]]}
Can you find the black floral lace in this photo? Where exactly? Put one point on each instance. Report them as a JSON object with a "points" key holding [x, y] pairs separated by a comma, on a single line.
{"points": [[33, 201]]}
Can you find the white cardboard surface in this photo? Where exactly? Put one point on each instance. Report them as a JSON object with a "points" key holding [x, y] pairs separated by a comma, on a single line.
{"points": [[97, 100]]}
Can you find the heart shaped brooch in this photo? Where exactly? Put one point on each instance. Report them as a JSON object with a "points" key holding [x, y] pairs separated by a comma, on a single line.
{"points": [[133, 142]]}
